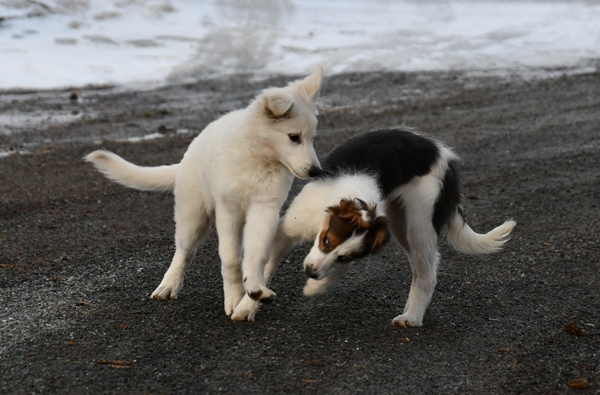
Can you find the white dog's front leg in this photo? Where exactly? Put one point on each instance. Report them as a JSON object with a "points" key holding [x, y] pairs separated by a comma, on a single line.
{"points": [[229, 227], [259, 232], [247, 309]]}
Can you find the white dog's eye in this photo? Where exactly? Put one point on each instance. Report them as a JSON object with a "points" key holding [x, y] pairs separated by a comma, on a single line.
{"points": [[342, 259], [295, 138], [326, 241]]}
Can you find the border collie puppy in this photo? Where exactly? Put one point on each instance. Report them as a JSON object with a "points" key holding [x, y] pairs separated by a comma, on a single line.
{"points": [[396, 181]]}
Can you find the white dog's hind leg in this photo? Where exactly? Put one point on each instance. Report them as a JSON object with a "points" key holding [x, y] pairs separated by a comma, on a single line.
{"points": [[259, 232], [192, 223], [247, 309], [229, 223], [317, 287]]}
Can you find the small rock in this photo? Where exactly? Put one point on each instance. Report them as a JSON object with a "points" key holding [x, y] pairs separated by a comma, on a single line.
{"points": [[574, 330], [579, 384]]}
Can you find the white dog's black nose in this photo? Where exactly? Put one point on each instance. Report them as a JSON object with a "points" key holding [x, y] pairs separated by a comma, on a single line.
{"points": [[310, 273], [314, 171]]}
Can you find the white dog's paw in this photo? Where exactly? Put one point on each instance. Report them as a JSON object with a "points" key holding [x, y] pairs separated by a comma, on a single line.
{"points": [[314, 288], [258, 291], [261, 294], [167, 290], [404, 321], [245, 310], [233, 295]]}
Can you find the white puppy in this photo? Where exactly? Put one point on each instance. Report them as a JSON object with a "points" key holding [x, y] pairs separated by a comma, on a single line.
{"points": [[237, 171]]}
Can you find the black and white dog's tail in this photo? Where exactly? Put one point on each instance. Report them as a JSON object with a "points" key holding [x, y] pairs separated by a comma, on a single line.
{"points": [[466, 240], [117, 169]]}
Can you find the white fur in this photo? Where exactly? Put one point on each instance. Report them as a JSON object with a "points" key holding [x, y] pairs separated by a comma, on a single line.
{"points": [[237, 172], [464, 239], [115, 168]]}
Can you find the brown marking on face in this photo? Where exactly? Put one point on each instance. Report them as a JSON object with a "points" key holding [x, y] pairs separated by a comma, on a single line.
{"points": [[352, 211], [346, 219], [334, 232], [375, 239]]}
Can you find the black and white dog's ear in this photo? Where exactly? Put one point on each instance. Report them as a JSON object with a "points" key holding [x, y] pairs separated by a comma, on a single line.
{"points": [[361, 204], [368, 211], [363, 207], [278, 104], [378, 235]]}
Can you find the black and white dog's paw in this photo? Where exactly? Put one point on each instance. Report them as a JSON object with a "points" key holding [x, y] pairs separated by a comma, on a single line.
{"points": [[314, 287]]}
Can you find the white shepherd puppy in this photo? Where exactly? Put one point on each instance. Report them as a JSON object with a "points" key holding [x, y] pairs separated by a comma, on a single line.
{"points": [[238, 170]]}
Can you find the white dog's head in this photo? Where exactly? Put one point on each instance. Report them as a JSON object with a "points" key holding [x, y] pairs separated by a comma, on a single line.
{"points": [[288, 124], [351, 230]]}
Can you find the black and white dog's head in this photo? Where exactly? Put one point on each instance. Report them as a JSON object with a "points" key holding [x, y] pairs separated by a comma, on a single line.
{"points": [[351, 230]]}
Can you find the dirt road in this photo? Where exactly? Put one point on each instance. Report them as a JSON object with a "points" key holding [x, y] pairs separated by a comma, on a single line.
{"points": [[79, 256]]}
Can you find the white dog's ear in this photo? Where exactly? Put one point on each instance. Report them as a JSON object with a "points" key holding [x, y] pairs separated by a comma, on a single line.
{"points": [[278, 104], [311, 85]]}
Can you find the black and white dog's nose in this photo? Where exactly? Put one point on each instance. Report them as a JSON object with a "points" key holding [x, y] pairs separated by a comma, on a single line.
{"points": [[314, 171], [310, 273]]}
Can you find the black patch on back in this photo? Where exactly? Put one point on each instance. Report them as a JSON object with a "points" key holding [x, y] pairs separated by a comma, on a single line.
{"points": [[448, 199], [393, 156]]}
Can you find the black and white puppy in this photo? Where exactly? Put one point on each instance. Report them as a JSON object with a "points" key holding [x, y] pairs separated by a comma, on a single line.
{"points": [[397, 180]]}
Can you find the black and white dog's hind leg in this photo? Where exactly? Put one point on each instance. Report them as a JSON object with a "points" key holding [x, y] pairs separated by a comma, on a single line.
{"points": [[412, 226], [421, 212]]}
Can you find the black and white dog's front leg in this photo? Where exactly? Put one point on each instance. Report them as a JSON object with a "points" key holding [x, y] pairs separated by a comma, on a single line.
{"points": [[317, 287]]}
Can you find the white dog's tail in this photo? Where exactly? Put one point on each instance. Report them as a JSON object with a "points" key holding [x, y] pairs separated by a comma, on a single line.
{"points": [[464, 239], [117, 169]]}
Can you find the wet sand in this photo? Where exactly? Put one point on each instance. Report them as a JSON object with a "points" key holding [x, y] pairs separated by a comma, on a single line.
{"points": [[79, 256]]}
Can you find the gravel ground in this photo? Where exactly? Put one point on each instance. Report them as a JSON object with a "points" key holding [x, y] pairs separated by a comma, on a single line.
{"points": [[79, 256]]}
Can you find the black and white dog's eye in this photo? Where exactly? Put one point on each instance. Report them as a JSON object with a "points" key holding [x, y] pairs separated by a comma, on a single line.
{"points": [[342, 259], [326, 241], [295, 138]]}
